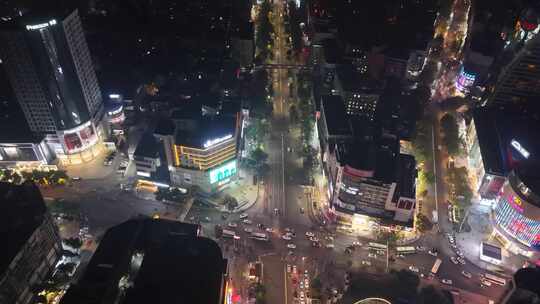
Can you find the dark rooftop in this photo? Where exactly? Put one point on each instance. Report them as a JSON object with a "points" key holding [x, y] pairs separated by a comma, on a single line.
{"points": [[379, 156], [147, 146], [205, 128], [352, 81], [166, 262], [22, 210], [496, 129], [335, 115], [407, 173]]}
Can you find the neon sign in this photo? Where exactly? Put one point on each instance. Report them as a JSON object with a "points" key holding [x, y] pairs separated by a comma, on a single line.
{"points": [[41, 25], [216, 141], [519, 148], [223, 172], [516, 203]]}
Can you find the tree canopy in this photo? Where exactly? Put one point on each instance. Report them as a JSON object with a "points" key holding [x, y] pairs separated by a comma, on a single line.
{"points": [[451, 138]]}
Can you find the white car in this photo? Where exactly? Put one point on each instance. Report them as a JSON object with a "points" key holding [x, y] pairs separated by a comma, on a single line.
{"points": [[485, 283], [243, 216], [310, 234], [433, 253], [306, 282], [454, 260], [286, 237], [247, 222], [291, 246], [466, 274], [367, 263], [232, 225], [294, 269], [372, 255], [414, 269], [269, 230], [330, 246], [420, 248], [461, 260], [289, 268], [356, 243], [447, 281], [248, 230]]}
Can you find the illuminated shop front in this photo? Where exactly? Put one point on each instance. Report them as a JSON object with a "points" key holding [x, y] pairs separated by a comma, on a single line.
{"points": [[465, 80], [77, 145], [210, 166], [517, 216]]}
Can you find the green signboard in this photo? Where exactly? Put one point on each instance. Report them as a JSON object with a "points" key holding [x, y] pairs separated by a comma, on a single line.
{"points": [[223, 172]]}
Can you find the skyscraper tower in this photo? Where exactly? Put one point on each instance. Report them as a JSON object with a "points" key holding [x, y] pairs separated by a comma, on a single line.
{"points": [[518, 83], [49, 67]]}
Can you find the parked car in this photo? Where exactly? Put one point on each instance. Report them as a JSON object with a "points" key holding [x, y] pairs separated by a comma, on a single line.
{"points": [[454, 260], [243, 216], [414, 269], [367, 263], [447, 281], [286, 237], [247, 222], [291, 246], [466, 274], [330, 246], [310, 234]]}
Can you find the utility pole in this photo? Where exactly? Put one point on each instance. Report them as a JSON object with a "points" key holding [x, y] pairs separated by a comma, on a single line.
{"points": [[387, 254]]}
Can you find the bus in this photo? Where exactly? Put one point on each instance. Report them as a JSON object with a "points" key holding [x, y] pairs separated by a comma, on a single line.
{"points": [[377, 246], [259, 236], [436, 266], [405, 250], [494, 279], [228, 234]]}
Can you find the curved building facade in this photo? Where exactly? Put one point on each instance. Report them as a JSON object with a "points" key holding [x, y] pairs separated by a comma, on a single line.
{"points": [[517, 213]]}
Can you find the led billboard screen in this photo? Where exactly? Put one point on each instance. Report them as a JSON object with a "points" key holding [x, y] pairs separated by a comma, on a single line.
{"points": [[223, 172]]}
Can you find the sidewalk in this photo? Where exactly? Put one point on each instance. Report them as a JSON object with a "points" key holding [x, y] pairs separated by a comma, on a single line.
{"points": [[244, 191], [481, 229]]}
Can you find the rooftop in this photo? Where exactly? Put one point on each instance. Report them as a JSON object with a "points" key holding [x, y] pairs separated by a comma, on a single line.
{"points": [[153, 261], [335, 115], [147, 146], [406, 186], [22, 210], [205, 128], [499, 132], [352, 81]]}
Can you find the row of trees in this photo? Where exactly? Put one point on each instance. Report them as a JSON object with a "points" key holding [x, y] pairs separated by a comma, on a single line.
{"points": [[304, 115], [292, 26], [51, 177], [458, 183], [264, 33], [451, 138]]}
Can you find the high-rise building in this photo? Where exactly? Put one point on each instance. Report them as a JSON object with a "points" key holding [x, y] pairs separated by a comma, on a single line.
{"points": [[517, 83], [50, 70], [31, 243]]}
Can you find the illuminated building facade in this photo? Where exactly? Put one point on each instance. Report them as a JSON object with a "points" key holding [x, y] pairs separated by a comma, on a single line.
{"points": [[517, 85], [381, 186], [50, 70], [201, 151], [32, 245], [465, 80], [517, 213]]}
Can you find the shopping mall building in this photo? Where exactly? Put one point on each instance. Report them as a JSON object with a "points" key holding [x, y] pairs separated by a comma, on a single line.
{"points": [[201, 150], [503, 161]]}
